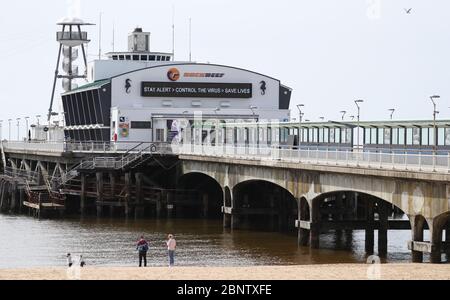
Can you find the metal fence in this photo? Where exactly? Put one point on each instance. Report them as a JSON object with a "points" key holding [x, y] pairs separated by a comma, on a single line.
{"points": [[347, 158]]}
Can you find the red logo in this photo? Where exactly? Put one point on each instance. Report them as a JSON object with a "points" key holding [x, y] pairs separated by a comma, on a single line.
{"points": [[173, 74]]}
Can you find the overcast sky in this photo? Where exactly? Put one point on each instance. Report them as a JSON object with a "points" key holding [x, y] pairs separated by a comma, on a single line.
{"points": [[330, 52]]}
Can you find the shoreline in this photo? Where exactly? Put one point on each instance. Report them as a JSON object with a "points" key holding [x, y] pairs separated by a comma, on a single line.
{"points": [[303, 272]]}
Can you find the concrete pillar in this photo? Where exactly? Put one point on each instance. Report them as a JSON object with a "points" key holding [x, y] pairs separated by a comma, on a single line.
{"points": [[272, 217], [226, 220], [383, 212], [235, 221], [14, 197], [139, 209], [205, 202], [127, 194], [100, 187], [112, 181], [436, 241], [315, 225], [170, 205], [22, 199], [83, 194], [303, 234], [417, 225], [370, 226]]}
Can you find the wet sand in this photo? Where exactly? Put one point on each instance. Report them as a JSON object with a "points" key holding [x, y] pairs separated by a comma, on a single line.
{"points": [[313, 272]]}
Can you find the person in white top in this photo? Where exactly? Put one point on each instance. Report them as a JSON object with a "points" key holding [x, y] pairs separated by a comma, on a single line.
{"points": [[171, 247]]}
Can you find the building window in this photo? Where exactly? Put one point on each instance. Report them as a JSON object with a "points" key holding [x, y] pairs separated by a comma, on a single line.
{"points": [[425, 138], [141, 125], [121, 57], [128, 57], [152, 58], [135, 57], [158, 58], [395, 136], [144, 57], [114, 57], [401, 136], [160, 135]]}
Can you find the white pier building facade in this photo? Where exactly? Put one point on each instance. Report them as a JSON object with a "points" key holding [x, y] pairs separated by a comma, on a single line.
{"points": [[135, 96]]}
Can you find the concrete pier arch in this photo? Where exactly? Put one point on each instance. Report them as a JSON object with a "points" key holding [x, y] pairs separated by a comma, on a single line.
{"points": [[264, 205], [209, 200]]}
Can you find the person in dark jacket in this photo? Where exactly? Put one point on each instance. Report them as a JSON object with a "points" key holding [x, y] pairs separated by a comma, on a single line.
{"points": [[142, 248]]}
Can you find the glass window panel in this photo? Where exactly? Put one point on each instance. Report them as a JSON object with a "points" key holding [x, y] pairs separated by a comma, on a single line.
{"points": [[441, 136], [381, 136], [447, 136], [425, 140], [416, 136], [321, 139], [432, 135], [401, 136], [409, 136], [373, 137], [326, 135], [367, 136], [338, 136], [387, 136], [395, 136]]}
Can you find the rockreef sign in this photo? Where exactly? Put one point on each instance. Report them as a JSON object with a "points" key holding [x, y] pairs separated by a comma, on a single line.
{"points": [[197, 90]]}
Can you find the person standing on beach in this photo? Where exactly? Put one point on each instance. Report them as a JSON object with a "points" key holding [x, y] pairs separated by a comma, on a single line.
{"points": [[142, 247], [69, 260], [171, 247]]}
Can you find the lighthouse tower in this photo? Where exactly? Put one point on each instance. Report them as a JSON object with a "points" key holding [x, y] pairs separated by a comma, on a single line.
{"points": [[71, 39]]}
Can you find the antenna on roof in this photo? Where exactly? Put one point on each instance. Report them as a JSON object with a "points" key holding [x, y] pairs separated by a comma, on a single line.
{"points": [[100, 38], [190, 40], [113, 36], [173, 32]]}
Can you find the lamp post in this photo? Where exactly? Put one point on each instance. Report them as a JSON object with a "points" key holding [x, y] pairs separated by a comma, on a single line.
{"points": [[352, 117], [435, 112], [300, 119], [392, 110], [358, 102], [343, 114], [9, 129], [253, 108], [322, 119], [18, 129], [26, 127]]}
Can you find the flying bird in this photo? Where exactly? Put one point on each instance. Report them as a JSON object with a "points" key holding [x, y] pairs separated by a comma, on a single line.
{"points": [[408, 11]]}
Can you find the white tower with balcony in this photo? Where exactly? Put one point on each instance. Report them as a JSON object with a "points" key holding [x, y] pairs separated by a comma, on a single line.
{"points": [[71, 38]]}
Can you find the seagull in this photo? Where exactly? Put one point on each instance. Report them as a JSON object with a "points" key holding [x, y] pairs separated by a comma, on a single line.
{"points": [[408, 11]]}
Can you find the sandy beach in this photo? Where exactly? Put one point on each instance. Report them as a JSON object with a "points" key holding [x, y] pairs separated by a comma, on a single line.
{"points": [[313, 272]]}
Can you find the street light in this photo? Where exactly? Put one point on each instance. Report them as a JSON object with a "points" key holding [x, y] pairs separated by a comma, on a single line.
{"points": [[300, 119], [37, 117], [343, 114], [18, 129], [9, 129], [435, 112], [392, 110], [358, 102], [352, 117], [26, 130], [322, 118], [253, 108]]}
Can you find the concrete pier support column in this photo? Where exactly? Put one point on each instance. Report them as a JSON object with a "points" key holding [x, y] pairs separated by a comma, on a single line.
{"points": [[139, 209], [112, 182], [315, 226], [170, 205], [127, 182], [235, 221], [205, 202], [100, 190], [14, 198], [21, 200], [383, 212], [370, 226], [272, 218], [417, 225], [303, 212], [226, 220], [436, 241], [83, 194]]}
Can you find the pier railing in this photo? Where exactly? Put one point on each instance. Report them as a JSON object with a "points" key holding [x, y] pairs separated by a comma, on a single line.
{"points": [[347, 158]]}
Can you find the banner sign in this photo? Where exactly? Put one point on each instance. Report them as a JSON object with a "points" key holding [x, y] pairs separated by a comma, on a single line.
{"points": [[197, 90]]}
